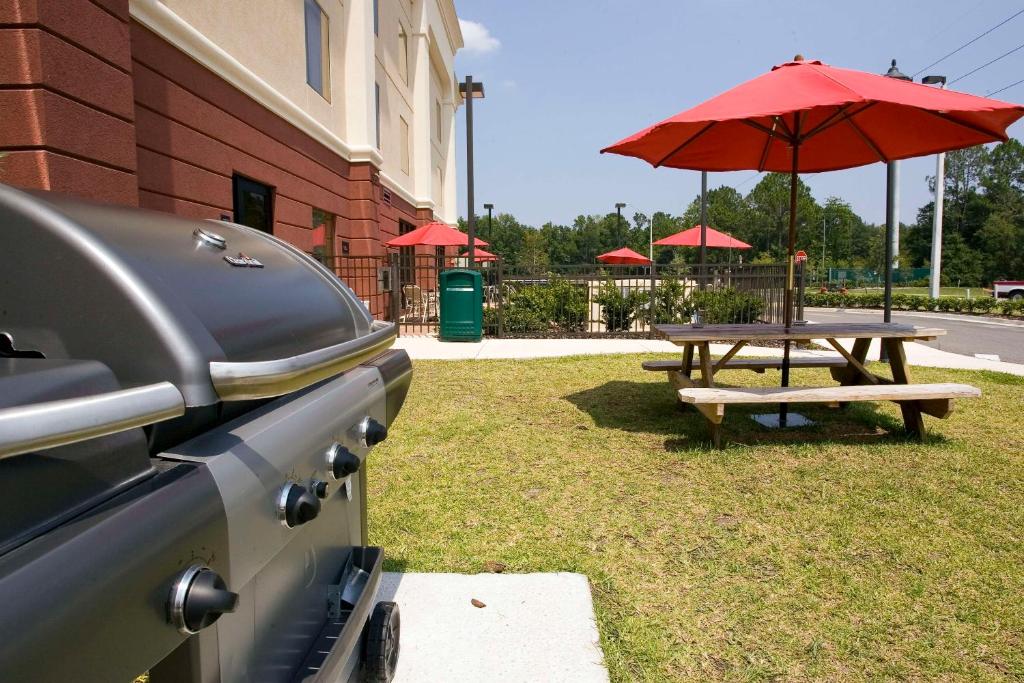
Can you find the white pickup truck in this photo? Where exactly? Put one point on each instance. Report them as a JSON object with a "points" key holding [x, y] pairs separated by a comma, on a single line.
{"points": [[1008, 289]]}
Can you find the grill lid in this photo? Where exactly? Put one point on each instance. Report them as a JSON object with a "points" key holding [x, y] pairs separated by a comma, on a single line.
{"points": [[222, 311]]}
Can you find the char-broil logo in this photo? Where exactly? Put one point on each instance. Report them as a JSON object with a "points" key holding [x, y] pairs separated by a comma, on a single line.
{"points": [[243, 261]]}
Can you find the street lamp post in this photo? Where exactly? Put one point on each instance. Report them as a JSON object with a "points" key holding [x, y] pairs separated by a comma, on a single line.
{"points": [[935, 281], [470, 90], [892, 219], [490, 226], [619, 206]]}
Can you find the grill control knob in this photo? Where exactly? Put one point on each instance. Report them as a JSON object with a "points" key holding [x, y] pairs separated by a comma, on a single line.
{"points": [[198, 597], [371, 432], [342, 462], [321, 489], [297, 505]]}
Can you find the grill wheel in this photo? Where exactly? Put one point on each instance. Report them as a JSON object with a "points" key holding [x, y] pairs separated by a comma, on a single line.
{"points": [[381, 643]]}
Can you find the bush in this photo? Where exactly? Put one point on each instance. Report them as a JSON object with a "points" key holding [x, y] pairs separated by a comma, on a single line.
{"points": [[983, 305], [726, 306], [537, 308], [617, 309], [1008, 307], [669, 304]]}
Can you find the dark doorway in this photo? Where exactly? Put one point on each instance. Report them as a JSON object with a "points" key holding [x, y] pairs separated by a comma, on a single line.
{"points": [[254, 203]]}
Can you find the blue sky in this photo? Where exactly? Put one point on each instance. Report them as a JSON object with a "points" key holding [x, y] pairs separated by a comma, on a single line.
{"points": [[565, 78]]}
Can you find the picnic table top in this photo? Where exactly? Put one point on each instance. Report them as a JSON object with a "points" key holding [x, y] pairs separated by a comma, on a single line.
{"points": [[683, 334]]}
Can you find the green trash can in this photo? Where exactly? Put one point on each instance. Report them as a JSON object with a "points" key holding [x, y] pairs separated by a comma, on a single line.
{"points": [[462, 305]]}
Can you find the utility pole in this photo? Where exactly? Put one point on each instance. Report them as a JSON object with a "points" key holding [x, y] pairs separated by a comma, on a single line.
{"points": [[935, 279]]}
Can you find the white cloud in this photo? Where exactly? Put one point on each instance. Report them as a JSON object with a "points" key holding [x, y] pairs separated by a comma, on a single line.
{"points": [[477, 38]]}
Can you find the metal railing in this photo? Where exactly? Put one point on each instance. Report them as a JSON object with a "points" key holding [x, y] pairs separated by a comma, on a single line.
{"points": [[590, 300]]}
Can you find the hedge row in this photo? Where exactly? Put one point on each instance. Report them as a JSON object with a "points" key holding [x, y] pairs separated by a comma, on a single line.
{"points": [[915, 302]]}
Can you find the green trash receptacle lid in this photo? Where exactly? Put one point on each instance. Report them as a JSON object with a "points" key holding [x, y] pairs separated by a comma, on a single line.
{"points": [[462, 305]]}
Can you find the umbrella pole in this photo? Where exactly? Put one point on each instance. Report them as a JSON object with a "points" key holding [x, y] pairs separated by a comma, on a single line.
{"points": [[790, 266]]}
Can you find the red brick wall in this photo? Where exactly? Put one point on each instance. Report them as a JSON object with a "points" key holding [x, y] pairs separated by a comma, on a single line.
{"points": [[194, 130], [67, 121]]}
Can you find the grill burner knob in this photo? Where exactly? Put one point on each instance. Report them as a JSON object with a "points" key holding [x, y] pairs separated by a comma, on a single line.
{"points": [[320, 489], [198, 597], [342, 462], [296, 505], [372, 432]]}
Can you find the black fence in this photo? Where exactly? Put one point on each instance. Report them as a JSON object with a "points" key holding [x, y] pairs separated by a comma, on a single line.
{"points": [[568, 301]]}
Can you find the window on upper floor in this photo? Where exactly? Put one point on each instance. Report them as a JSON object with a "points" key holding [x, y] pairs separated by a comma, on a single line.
{"points": [[376, 17], [403, 132], [376, 110], [403, 54], [318, 59]]}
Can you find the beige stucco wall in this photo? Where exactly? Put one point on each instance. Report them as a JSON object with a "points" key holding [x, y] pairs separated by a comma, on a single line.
{"points": [[267, 38]]}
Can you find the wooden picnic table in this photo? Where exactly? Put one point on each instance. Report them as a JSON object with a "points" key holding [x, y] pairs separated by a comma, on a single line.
{"points": [[854, 372]]}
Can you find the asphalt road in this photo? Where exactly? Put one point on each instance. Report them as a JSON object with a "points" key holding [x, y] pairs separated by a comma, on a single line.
{"points": [[965, 334]]}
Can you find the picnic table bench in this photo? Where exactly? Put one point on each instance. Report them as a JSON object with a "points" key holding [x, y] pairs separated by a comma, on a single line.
{"points": [[857, 383]]}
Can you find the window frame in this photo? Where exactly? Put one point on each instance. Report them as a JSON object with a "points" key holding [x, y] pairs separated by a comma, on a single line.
{"points": [[404, 146]]}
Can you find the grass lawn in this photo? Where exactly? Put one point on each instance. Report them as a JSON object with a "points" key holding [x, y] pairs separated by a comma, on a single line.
{"points": [[962, 292], [838, 552]]}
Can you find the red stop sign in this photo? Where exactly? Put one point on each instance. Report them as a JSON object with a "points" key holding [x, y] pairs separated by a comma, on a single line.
{"points": [[801, 256]]}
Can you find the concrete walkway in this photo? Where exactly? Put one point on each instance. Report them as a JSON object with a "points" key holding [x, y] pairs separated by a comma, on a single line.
{"points": [[430, 348], [532, 627]]}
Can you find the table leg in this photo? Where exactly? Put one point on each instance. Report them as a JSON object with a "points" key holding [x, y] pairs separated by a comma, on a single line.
{"points": [[687, 360], [901, 375], [706, 375], [850, 375]]}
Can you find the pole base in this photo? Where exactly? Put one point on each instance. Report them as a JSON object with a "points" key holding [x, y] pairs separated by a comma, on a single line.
{"points": [[771, 420]]}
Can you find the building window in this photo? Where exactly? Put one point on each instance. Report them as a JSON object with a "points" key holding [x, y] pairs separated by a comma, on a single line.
{"points": [[376, 110], [323, 237], [376, 18], [253, 203], [318, 60], [403, 54], [403, 132], [438, 123]]}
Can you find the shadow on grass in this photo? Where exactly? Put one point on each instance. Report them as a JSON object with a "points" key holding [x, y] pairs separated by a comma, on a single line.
{"points": [[651, 408]]}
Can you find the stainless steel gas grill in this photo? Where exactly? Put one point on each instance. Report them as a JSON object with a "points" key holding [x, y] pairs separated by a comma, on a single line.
{"points": [[186, 408]]}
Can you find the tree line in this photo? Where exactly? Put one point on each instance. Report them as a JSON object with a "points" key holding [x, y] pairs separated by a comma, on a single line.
{"points": [[983, 226]]}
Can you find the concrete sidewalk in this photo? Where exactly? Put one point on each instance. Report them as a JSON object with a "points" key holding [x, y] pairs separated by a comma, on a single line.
{"points": [[532, 627], [430, 348]]}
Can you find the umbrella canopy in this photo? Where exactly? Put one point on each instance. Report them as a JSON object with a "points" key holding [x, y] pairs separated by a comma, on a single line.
{"points": [[481, 255], [807, 116], [839, 118], [691, 238], [624, 256], [434, 234]]}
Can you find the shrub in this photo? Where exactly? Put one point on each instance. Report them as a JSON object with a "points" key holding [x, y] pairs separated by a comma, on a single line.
{"points": [[617, 309], [945, 303], [536, 308], [669, 303], [726, 306], [984, 305]]}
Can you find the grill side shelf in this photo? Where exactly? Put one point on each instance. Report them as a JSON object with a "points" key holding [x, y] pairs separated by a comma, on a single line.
{"points": [[266, 379], [37, 426]]}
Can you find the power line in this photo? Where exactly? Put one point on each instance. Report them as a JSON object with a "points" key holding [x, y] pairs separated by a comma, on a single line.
{"points": [[1005, 87], [972, 71], [969, 42]]}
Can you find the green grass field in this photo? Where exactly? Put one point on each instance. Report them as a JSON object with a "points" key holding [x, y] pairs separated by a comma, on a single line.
{"points": [[838, 552]]}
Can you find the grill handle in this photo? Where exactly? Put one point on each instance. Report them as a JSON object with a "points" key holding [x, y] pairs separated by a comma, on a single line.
{"points": [[34, 427], [265, 379]]}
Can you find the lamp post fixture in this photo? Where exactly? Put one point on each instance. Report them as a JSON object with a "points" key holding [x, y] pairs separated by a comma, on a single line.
{"points": [[892, 219], [935, 281], [470, 90], [490, 226], [619, 206]]}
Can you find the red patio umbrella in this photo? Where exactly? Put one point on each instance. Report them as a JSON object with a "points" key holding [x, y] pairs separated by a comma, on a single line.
{"points": [[482, 255], [624, 256], [691, 238], [808, 116], [435, 234]]}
